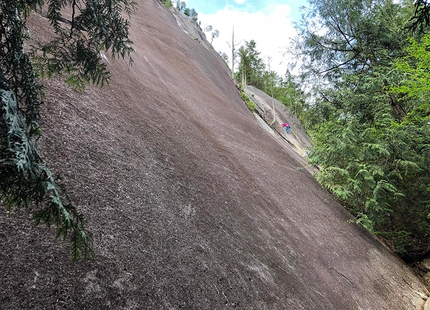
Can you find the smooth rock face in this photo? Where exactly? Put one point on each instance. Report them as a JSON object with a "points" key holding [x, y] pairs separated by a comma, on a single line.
{"points": [[425, 264], [190, 202], [427, 278]]}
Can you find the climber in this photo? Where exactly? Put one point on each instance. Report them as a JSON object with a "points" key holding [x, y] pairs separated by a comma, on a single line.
{"points": [[287, 127]]}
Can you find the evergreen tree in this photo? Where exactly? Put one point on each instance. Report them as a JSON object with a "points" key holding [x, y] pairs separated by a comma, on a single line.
{"points": [[421, 19], [243, 66], [370, 141], [25, 179], [251, 65]]}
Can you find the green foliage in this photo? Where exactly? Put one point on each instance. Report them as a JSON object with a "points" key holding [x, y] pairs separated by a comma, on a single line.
{"points": [[369, 120], [340, 36], [251, 65], [413, 68], [80, 38], [167, 3], [287, 91], [420, 21], [181, 6], [192, 14], [25, 179], [381, 173], [251, 105], [252, 70]]}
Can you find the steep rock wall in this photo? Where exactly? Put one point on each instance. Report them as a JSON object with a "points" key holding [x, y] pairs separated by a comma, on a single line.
{"points": [[189, 201]]}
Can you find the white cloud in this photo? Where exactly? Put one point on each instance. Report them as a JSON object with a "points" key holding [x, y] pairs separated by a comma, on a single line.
{"points": [[240, 1], [271, 28]]}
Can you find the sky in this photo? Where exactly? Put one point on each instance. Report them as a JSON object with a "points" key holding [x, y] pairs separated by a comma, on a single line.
{"points": [[269, 23]]}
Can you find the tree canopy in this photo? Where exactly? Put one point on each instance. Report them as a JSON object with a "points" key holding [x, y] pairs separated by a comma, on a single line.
{"points": [[251, 66], [420, 21], [181, 6], [369, 114]]}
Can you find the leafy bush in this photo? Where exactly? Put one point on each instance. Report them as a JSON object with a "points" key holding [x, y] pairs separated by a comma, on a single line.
{"points": [[251, 105], [167, 3], [381, 173]]}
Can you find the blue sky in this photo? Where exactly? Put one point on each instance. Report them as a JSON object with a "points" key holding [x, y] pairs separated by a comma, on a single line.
{"points": [[269, 23], [210, 7]]}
